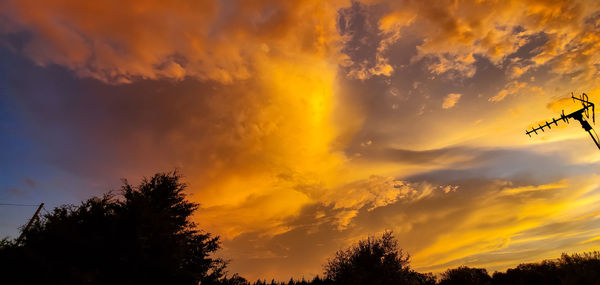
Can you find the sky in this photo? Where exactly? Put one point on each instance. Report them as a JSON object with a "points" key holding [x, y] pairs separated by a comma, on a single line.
{"points": [[302, 127]]}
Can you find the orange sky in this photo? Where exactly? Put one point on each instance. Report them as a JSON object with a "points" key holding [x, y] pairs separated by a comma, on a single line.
{"points": [[303, 126]]}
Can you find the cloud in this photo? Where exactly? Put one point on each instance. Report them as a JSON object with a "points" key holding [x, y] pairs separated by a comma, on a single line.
{"points": [[485, 223], [239, 145], [121, 41], [513, 88], [313, 235], [454, 33], [559, 104], [493, 236], [363, 45], [223, 41], [451, 100]]}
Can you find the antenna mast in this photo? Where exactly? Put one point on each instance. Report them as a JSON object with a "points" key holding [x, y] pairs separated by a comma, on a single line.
{"points": [[580, 115], [30, 222]]}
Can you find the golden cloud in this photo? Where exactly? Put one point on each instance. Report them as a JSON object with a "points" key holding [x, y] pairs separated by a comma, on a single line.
{"points": [[528, 208], [454, 32], [120, 41], [451, 100]]}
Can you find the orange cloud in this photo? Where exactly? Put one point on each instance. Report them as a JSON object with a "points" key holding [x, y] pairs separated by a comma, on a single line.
{"points": [[120, 41], [475, 236], [454, 32], [514, 87], [451, 100]]}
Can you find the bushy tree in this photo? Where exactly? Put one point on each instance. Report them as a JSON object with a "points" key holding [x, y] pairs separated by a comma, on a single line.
{"points": [[374, 261], [144, 236], [465, 276]]}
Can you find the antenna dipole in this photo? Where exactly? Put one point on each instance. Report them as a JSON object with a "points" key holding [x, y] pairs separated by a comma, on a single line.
{"points": [[580, 115]]}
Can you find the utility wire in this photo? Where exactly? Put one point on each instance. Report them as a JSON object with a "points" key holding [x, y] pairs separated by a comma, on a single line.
{"points": [[15, 204]]}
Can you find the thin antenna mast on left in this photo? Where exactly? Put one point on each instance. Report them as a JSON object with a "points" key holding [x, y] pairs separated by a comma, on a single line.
{"points": [[37, 212]]}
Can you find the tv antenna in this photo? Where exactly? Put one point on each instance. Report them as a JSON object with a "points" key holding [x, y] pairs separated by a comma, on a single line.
{"points": [[577, 115]]}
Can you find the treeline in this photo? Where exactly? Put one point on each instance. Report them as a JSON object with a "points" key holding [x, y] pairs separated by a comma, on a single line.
{"points": [[144, 235], [572, 269]]}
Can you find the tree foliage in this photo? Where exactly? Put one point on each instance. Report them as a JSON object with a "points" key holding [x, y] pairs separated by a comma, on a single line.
{"points": [[569, 269], [374, 261], [465, 275], [143, 236]]}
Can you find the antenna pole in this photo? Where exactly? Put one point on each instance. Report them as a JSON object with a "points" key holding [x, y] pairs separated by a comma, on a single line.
{"points": [[30, 222], [594, 138]]}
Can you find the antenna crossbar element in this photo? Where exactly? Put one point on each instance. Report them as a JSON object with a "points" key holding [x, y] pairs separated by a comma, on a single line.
{"points": [[580, 115]]}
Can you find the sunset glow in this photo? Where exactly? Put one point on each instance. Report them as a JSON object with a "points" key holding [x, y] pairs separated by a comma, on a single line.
{"points": [[304, 126]]}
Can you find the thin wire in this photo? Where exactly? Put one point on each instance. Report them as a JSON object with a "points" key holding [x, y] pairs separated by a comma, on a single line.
{"points": [[14, 204]]}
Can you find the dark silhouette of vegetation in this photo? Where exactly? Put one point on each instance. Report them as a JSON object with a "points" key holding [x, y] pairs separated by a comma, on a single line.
{"points": [[374, 261], [569, 269], [145, 236], [576, 269], [465, 275], [315, 281]]}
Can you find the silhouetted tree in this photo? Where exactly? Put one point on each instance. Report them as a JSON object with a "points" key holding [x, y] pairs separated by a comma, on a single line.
{"points": [[580, 268], [234, 280], [374, 261], [144, 236], [569, 269], [319, 281], [465, 276], [540, 273]]}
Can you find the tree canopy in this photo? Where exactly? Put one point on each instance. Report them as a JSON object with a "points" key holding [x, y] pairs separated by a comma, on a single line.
{"points": [[465, 275], [374, 261], [142, 236]]}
